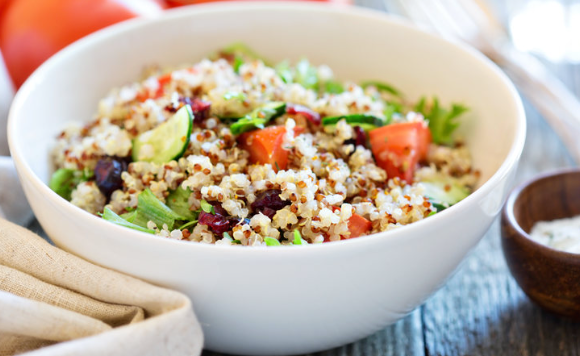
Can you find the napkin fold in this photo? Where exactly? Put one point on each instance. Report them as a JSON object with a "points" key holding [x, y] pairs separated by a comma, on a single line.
{"points": [[54, 303]]}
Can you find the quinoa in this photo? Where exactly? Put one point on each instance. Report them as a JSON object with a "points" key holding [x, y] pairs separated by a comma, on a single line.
{"points": [[329, 178]]}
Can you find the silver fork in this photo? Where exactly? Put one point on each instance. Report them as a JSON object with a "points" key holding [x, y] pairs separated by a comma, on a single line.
{"points": [[471, 21]]}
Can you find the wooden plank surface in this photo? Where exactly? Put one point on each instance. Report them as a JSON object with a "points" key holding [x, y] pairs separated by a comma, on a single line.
{"points": [[481, 310]]}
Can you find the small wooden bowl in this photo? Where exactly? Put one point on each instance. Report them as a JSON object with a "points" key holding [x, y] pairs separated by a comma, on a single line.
{"points": [[551, 278]]}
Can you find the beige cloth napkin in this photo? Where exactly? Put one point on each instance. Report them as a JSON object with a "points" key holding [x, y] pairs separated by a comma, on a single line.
{"points": [[53, 303]]}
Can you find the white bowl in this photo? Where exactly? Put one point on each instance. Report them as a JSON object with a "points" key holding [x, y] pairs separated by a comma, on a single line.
{"points": [[285, 300]]}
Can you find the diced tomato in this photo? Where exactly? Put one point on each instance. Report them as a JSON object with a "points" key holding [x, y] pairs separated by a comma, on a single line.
{"points": [[425, 140], [357, 225], [265, 145], [399, 147], [162, 80]]}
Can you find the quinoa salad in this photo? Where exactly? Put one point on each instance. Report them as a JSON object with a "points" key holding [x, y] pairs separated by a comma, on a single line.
{"points": [[234, 150]]}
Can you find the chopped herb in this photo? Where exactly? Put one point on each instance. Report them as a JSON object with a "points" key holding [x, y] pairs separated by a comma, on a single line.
{"points": [[109, 215], [207, 207], [238, 61], [178, 201], [390, 110], [277, 166], [64, 181], [270, 241], [298, 240], [227, 236], [244, 52], [188, 224], [306, 75], [333, 87], [149, 208], [381, 86], [258, 118], [285, 72], [439, 206], [366, 121], [237, 242], [442, 122]]}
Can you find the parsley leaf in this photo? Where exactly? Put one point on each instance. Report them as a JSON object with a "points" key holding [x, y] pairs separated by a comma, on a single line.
{"points": [[270, 241], [298, 240], [306, 75], [333, 87], [442, 122], [285, 72], [207, 207]]}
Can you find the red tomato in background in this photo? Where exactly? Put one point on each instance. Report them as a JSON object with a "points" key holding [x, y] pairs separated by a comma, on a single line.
{"points": [[175, 3], [399, 147], [33, 30], [3, 4]]}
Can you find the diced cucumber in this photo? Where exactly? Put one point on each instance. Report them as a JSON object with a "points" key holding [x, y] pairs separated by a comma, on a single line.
{"points": [[167, 141], [444, 192], [365, 121], [258, 118]]}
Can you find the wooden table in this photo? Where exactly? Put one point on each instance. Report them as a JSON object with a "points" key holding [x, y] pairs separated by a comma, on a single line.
{"points": [[481, 310]]}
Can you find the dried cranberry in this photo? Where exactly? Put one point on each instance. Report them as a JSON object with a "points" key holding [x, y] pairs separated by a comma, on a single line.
{"points": [[217, 223], [235, 221], [360, 138], [199, 108], [217, 207], [310, 115], [269, 202], [108, 174]]}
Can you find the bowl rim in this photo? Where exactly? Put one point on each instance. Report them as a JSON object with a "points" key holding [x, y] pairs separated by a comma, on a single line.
{"points": [[26, 172], [508, 215]]}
